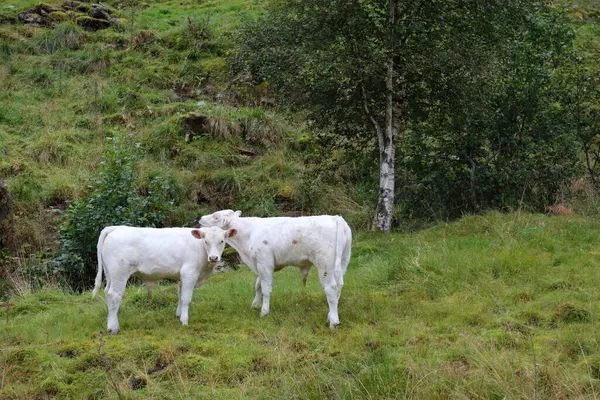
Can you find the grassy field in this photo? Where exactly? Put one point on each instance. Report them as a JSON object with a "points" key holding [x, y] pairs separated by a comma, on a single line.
{"points": [[492, 307]]}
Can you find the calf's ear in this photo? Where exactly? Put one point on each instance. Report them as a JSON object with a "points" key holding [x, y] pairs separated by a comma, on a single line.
{"points": [[238, 213], [198, 234], [231, 233]]}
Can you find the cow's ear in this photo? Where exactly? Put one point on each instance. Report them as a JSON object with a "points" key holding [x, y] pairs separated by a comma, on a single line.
{"points": [[238, 213], [198, 234], [231, 233]]}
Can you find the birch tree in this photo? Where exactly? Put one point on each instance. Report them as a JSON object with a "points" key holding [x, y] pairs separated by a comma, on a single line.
{"points": [[369, 70]]}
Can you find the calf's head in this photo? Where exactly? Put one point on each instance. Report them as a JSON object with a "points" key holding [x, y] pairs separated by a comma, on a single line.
{"points": [[221, 219], [214, 241]]}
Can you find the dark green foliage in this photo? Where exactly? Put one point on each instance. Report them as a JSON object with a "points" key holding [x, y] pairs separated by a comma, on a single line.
{"points": [[497, 135], [113, 200], [478, 94], [582, 81]]}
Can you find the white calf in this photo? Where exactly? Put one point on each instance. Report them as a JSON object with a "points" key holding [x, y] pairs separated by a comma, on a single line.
{"points": [[152, 254], [269, 244]]}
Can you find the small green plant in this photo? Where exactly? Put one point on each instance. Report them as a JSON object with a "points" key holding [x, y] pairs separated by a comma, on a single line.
{"points": [[113, 200]]}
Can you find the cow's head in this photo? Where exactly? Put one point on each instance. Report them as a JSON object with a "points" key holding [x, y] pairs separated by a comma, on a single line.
{"points": [[221, 219], [214, 241]]}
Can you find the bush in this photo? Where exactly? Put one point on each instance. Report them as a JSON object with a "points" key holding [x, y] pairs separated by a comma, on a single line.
{"points": [[113, 200]]}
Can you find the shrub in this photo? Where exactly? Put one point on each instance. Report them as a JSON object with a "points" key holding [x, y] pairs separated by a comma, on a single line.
{"points": [[113, 200]]}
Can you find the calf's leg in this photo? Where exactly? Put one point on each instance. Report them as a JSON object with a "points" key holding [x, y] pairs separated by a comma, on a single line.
{"points": [[149, 285], [332, 292], [178, 313], [188, 281], [258, 296], [114, 295], [266, 285]]}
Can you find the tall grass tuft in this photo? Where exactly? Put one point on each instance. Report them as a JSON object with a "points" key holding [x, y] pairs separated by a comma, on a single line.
{"points": [[66, 36]]}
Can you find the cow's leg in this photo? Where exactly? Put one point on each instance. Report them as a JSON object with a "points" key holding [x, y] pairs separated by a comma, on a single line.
{"points": [[149, 285], [332, 292], [258, 296], [345, 258], [178, 313], [266, 285], [304, 270], [188, 281], [113, 301]]}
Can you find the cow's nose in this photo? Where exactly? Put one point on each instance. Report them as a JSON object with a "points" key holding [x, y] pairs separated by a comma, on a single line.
{"points": [[214, 258]]}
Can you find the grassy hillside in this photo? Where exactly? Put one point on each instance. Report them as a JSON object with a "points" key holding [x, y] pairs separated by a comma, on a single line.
{"points": [[66, 88], [495, 306]]}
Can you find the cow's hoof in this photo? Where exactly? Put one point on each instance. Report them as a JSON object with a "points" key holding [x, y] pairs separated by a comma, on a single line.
{"points": [[263, 313], [333, 322], [256, 304], [113, 331]]}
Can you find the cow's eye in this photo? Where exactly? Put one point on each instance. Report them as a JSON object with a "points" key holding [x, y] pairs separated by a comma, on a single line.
{"points": [[222, 241]]}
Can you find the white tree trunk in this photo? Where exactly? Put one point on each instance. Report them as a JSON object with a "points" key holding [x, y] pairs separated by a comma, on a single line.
{"points": [[386, 184], [387, 144]]}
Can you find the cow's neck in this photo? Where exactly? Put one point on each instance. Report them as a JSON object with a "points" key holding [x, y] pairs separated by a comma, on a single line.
{"points": [[240, 241]]}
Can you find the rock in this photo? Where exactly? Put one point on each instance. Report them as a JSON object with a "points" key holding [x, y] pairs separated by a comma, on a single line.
{"points": [[89, 16], [44, 9], [71, 5], [194, 123], [99, 12], [7, 226], [32, 19], [92, 24]]}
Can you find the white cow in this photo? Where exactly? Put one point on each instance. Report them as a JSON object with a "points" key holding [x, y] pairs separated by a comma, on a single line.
{"points": [[267, 245], [153, 254]]}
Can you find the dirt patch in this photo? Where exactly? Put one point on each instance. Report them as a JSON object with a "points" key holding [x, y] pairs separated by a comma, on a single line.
{"points": [[137, 383], [159, 366], [7, 225], [260, 365], [69, 353], [186, 92]]}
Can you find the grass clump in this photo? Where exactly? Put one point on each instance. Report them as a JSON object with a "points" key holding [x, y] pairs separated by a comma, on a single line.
{"points": [[571, 313], [66, 35]]}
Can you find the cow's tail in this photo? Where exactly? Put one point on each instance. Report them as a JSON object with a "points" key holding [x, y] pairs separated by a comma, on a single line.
{"points": [[340, 244], [103, 236]]}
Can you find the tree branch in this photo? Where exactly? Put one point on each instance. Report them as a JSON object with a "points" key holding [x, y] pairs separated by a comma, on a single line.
{"points": [[369, 115]]}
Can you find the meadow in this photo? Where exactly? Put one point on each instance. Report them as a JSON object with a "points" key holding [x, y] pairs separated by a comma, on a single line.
{"points": [[493, 306]]}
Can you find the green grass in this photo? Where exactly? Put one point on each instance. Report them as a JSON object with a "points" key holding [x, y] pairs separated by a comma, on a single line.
{"points": [[494, 306]]}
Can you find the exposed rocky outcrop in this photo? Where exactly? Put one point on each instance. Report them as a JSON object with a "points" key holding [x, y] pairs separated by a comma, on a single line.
{"points": [[89, 16]]}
